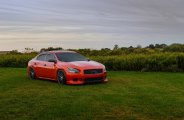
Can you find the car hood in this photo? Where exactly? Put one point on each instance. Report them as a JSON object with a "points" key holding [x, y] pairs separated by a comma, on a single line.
{"points": [[85, 64]]}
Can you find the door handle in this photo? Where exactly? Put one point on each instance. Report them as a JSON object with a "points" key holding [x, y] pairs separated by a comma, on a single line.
{"points": [[45, 65]]}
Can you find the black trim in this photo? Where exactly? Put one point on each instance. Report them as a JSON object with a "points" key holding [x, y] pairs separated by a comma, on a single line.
{"points": [[93, 80], [93, 71]]}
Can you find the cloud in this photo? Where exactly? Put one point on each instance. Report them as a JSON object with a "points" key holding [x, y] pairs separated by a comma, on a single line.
{"points": [[107, 22]]}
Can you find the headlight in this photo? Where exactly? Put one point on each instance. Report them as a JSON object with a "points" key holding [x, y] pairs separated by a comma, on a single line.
{"points": [[73, 70], [104, 69]]}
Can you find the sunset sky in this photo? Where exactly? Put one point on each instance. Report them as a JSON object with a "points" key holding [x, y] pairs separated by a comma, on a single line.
{"points": [[89, 23]]}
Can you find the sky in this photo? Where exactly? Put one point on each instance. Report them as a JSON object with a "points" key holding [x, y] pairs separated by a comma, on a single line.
{"points": [[91, 24]]}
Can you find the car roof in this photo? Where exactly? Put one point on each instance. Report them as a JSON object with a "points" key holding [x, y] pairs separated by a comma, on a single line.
{"points": [[58, 51]]}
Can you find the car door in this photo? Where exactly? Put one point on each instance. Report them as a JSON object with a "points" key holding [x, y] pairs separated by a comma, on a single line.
{"points": [[40, 65], [50, 68]]}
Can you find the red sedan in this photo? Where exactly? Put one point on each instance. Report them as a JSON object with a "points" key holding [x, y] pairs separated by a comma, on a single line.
{"points": [[66, 67]]}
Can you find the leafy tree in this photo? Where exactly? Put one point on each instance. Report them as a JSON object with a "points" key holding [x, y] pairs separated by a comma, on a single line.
{"points": [[14, 52], [151, 46], [175, 48], [116, 47], [139, 46], [50, 49]]}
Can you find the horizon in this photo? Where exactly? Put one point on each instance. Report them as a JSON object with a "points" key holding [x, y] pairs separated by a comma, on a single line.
{"points": [[119, 47], [78, 24]]}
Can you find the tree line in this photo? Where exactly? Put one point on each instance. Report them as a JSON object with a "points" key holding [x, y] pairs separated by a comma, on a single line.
{"points": [[150, 49]]}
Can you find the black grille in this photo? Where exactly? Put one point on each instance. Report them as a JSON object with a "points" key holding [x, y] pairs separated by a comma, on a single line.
{"points": [[93, 80], [93, 71]]}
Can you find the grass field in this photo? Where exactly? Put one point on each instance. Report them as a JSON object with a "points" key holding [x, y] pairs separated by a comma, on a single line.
{"points": [[127, 95]]}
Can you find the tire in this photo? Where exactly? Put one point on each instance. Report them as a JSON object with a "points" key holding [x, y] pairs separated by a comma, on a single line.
{"points": [[32, 74], [61, 77]]}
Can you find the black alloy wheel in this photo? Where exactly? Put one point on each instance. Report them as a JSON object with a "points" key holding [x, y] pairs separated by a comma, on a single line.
{"points": [[61, 77], [32, 74]]}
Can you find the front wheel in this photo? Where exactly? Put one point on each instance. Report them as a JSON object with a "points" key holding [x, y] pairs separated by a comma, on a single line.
{"points": [[61, 77]]}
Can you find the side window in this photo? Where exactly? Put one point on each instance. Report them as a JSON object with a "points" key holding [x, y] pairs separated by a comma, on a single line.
{"points": [[41, 57], [50, 56]]}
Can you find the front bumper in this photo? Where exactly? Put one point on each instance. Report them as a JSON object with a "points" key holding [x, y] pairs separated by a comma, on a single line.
{"points": [[77, 79]]}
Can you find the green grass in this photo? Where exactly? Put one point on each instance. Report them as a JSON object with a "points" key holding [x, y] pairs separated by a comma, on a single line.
{"points": [[127, 95]]}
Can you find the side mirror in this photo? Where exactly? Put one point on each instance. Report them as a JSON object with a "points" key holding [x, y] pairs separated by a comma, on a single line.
{"points": [[88, 59], [52, 60]]}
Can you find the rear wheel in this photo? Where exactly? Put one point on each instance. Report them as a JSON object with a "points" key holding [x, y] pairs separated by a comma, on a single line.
{"points": [[32, 74], [61, 77]]}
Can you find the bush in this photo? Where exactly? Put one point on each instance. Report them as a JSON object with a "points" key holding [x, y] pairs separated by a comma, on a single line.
{"points": [[19, 60], [144, 62]]}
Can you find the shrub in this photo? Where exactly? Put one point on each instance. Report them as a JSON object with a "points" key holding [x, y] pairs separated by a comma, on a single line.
{"points": [[143, 62]]}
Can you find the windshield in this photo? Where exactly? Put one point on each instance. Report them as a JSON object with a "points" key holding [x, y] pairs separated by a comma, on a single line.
{"points": [[70, 57]]}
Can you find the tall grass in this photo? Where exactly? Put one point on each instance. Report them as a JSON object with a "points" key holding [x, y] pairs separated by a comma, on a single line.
{"points": [[131, 62], [142, 62], [17, 60]]}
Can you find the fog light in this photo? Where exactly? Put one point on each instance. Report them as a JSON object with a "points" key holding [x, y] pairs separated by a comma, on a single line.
{"points": [[75, 79]]}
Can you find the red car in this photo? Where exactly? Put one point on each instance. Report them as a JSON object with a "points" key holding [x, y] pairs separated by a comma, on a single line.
{"points": [[66, 67]]}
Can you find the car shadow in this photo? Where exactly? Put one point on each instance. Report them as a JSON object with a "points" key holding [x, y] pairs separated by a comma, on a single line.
{"points": [[52, 81]]}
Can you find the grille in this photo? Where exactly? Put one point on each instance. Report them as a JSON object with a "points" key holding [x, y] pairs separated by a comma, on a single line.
{"points": [[93, 71], [93, 80]]}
